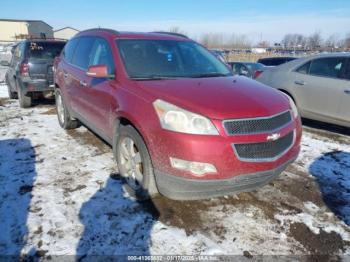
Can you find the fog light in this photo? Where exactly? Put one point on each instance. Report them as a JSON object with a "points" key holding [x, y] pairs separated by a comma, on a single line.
{"points": [[196, 168]]}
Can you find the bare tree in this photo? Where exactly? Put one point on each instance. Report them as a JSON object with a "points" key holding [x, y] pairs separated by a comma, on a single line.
{"points": [[212, 40], [332, 41], [315, 41], [176, 29], [294, 41], [238, 42], [347, 41], [264, 44]]}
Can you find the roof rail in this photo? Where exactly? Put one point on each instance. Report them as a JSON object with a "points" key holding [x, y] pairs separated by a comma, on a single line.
{"points": [[170, 33], [107, 30]]}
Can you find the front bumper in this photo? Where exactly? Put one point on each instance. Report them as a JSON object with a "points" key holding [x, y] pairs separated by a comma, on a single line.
{"points": [[218, 151], [180, 188]]}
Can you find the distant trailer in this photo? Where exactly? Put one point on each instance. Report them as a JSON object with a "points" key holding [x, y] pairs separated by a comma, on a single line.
{"points": [[258, 50]]}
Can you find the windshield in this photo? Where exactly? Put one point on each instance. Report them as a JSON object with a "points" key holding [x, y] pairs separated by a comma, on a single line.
{"points": [[45, 50], [159, 59]]}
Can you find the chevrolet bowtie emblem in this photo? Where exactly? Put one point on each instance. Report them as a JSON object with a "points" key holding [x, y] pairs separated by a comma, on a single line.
{"points": [[273, 137]]}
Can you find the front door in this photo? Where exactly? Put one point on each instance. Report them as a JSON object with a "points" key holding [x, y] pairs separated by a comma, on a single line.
{"points": [[318, 87]]}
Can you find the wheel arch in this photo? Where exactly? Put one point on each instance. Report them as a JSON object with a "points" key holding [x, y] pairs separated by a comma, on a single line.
{"points": [[288, 93]]}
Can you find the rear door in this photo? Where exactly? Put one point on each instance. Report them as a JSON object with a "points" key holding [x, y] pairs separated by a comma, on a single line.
{"points": [[318, 88]]}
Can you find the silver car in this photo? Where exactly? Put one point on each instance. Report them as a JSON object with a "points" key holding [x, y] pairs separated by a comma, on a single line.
{"points": [[319, 85]]}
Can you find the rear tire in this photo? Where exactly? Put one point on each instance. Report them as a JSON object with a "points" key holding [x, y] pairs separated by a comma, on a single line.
{"points": [[64, 118], [134, 164], [24, 100], [12, 95]]}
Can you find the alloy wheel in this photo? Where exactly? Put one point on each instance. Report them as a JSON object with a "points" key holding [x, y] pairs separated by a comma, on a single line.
{"points": [[132, 163]]}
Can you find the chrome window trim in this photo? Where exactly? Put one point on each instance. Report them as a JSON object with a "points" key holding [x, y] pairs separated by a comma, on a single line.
{"points": [[270, 159], [257, 118]]}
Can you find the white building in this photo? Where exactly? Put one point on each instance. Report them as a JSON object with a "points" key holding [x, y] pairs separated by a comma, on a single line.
{"points": [[13, 30], [65, 32]]}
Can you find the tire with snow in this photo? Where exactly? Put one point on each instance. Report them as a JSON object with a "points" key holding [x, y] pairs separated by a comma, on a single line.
{"points": [[24, 100], [64, 119], [12, 95], [134, 163]]}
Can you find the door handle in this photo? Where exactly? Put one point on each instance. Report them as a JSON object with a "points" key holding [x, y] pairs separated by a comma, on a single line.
{"points": [[347, 92], [299, 82], [83, 83]]}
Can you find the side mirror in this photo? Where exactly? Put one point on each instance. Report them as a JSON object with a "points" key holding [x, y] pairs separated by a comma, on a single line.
{"points": [[98, 71], [4, 63]]}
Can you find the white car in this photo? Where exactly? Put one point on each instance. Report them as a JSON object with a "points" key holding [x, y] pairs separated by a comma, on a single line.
{"points": [[319, 85]]}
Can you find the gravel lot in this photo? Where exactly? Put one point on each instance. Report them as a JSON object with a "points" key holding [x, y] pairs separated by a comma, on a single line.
{"points": [[61, 195]]}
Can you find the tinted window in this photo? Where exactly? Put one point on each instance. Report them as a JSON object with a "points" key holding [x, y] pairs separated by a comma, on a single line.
{"points": [[69, 49], [167, 58], [18, 51], [44, 50], [304, 69], [240, 69], [101, 54], [82, 53], [347, 71], [16, 54], [328, 67], [254, 66]]}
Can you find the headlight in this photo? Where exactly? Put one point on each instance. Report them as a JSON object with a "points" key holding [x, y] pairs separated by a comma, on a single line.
{"points": [[292, 106], [177, 119]]}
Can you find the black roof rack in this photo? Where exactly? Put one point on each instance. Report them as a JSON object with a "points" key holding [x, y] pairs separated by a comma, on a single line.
{"points": [[107, 30], [44, 38], [170, 33]]}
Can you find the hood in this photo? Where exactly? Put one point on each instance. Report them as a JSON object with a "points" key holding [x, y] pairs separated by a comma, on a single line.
{"points": [[219, 97]]}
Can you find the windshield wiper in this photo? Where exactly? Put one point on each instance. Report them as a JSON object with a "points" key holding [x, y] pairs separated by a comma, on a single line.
{"points": [[214, 74], [152, 77]]}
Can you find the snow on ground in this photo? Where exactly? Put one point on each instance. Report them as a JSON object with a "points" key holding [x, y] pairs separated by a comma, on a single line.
{"points": [[61, 195], [3, 91]]}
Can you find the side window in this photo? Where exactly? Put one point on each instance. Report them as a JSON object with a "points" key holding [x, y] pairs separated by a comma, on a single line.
{"points": [[236, 68], [101, 54], [346, 74], [69, 49], [82, 54], [18, 51], [304, 69], [268, 62], [327, 67], [16, 55]]}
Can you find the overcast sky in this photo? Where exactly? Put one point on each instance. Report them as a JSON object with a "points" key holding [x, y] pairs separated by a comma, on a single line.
{"points": [[266, 19]]}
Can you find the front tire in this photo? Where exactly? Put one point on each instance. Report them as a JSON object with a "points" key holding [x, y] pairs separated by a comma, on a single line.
{"points": [[134, 163], [64, 119]]}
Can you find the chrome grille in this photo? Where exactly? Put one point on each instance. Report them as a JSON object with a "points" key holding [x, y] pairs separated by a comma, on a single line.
{"points": [[257, 125], [264, 151]]}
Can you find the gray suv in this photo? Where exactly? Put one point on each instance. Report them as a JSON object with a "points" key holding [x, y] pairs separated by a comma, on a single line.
{"points": [[30, 72]]}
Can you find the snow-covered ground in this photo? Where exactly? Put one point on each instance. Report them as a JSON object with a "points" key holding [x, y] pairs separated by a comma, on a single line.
{"points": [[60, 195]]}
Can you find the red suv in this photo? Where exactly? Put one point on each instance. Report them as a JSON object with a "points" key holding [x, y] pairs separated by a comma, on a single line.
{"points": [[179, 123]]}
